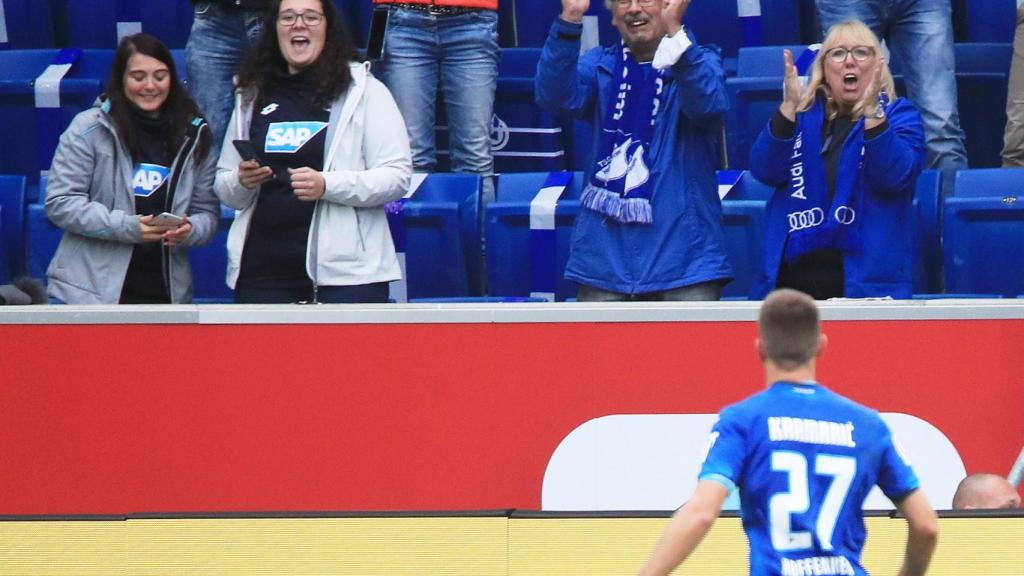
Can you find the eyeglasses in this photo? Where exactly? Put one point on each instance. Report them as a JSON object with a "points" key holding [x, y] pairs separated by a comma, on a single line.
{"points": [[310, 19], [860, 53], [628, 3]]}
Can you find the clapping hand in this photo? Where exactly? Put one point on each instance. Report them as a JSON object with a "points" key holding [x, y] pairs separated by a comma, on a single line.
{"points": [[793, 88], [868, 102], [573, 10], [673, 13]]}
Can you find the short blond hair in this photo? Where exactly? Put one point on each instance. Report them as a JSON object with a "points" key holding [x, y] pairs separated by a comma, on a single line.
{"points": [[857, 32]]}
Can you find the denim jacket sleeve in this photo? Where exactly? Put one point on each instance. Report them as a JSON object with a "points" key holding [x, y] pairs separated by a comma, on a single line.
{"points": [[894, 159], [700, 83], [565, 82]]}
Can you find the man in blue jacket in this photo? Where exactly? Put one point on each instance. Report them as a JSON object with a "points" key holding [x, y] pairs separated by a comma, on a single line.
{"points": [[651, 227]]}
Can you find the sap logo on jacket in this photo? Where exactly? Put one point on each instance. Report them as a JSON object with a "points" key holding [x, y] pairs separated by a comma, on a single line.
{"points": [[149, 178], [288, 137]]}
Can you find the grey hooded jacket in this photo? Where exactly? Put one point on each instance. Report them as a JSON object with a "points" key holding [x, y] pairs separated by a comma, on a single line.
{"points": [[90, 196]]}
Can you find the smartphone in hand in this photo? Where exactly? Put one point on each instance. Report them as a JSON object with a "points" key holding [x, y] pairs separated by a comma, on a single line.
{"points": [[167, 219], [247, 150]]}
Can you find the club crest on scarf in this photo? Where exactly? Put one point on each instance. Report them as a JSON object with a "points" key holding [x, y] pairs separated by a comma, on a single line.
{"points": [[621, 185]]}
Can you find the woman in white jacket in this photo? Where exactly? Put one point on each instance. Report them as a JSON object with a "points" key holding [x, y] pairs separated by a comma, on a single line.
{"points": [[329, 150]]}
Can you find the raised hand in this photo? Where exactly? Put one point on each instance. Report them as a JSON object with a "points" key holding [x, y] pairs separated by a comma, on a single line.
{"points": [[868, 102], [793, 89], [573, 10], [673, 13]]}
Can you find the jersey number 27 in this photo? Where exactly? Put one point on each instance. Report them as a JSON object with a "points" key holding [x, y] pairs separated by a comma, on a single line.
{"points": [[797, 500]]}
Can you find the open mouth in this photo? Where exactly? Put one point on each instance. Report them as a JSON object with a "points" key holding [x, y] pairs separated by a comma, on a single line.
{"points": [[637, 23], [300, 41], [849, 81]]}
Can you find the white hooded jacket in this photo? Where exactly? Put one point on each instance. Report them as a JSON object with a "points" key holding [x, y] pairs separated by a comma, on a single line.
{"points": [[367, 163]]}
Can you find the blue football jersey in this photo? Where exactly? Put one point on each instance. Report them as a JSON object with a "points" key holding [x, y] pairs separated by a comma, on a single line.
{"points": [[804, 459]]}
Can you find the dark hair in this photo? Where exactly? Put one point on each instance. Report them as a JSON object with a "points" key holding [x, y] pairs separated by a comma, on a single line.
{"points": [[179, 108], [789, 328], [330, 72]]}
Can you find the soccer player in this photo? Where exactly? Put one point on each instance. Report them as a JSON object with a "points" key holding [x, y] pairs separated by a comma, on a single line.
{"points": [[804, 459]]}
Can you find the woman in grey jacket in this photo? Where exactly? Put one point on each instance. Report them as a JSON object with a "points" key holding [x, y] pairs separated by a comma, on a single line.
{"points": [[131, 185]]}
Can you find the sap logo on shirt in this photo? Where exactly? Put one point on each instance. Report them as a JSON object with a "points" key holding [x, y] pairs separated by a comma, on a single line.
{"points": [[149, 178], [288, 137]]}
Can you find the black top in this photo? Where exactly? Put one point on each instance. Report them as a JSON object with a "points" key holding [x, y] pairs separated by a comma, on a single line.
{"points": [[289, 132], [145, 282], [820, 273]]}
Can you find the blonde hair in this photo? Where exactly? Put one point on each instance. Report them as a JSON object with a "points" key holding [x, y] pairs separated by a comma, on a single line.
{"points": [[858, 33]]}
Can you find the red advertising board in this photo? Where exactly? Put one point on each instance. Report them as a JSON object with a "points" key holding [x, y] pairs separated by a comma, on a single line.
{"points": [[122, 418]]}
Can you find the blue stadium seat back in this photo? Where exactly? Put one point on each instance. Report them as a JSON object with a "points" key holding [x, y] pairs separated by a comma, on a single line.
{"points": [[12, 220], [928, 241], [210, 264], [524, 137], [974, 57], [443, 252], [744, 214], [752, 101], [97, 23], [518, 62], [982, 97], [991, 20], [24, 123], [989, 182], [41, 240], [983, 233], [5, 275], [28, 24], [716, 23], [534, 19], [781, 21], [764, 61], [355, 16], [507, 228]]}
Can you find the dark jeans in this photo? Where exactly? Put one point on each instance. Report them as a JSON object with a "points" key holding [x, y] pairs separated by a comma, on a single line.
{"points": [[376, 293]]}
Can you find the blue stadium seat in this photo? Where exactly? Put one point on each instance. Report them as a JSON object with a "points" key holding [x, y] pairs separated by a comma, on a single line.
{"points": [[928, 254], [983, 232], [509, 254], [210, 263], [35, 131], [744, 214], [752, 102], [991, 20], [98, 23], [765, 61], [982, 78], [12, 226], [41, 240], [441, 227], [26, 24]]}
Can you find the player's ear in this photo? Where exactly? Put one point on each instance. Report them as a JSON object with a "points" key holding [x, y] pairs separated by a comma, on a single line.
{"points": [[762, 354], [822, 344]]}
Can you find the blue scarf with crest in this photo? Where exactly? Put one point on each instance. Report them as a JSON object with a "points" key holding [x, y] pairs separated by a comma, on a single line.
{"points": [[621, 186]]}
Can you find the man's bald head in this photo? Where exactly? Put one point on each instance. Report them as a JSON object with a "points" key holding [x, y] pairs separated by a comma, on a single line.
{"points": [[985, 491]]}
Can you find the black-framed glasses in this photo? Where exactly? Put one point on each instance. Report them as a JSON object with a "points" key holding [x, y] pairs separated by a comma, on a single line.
{"points": [[310, 18], [860, 53]]}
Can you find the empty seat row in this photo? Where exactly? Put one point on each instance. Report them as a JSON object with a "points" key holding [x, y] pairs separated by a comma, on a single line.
{"points": [[968, 243]]}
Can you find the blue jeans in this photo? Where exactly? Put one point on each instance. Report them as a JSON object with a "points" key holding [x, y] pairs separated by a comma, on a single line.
{"points": [[458, 54], [919, 34], [218, 43]]}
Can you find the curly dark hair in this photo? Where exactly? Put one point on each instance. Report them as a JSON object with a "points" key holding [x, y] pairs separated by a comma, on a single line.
{"points": [[179, 108], [330, 72]]}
